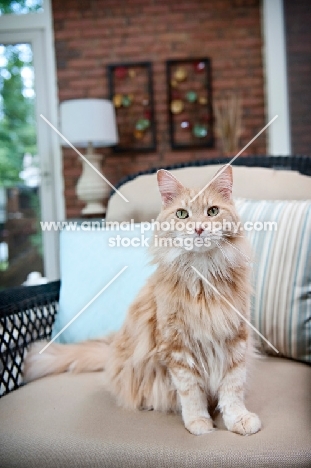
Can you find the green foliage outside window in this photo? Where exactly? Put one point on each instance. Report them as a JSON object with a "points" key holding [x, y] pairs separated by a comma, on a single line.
{"points": [[17, 112], [20, 6]]}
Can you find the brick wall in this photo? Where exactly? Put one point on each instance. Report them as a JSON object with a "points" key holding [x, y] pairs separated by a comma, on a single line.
{"points": [[298, 38], [89, 34]]}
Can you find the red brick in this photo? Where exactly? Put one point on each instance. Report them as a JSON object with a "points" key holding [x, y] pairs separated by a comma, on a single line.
{"points": [[68, 73], [82, 63], [67, 34], [65, 94]]}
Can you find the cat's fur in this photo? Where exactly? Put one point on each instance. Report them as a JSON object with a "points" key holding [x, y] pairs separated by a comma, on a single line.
{"points": [[181, 347]]}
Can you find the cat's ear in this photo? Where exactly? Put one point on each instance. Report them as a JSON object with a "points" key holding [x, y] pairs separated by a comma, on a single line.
{"points": [[222, 182], [169, 186]]}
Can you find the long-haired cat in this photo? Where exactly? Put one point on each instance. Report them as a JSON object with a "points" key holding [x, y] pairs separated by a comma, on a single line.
{"points": [[182, 346]]}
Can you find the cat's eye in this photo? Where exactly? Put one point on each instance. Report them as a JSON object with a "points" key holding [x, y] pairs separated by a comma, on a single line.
{"points": [[213, 211], [182, 214]]}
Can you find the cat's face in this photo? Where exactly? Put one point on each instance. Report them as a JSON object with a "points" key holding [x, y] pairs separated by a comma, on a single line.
{"points": [[196, 224]]}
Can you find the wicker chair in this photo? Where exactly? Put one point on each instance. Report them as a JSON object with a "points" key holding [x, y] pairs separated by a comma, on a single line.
{"points": [[27, 314]]}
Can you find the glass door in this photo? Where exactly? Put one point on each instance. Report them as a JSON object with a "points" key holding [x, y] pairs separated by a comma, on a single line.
{"points": [[21, 246], [31, 187]]}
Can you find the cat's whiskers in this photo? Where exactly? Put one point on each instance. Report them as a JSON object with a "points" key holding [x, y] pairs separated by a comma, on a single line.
{"points": [[221, 234], [232, 235], [223, 252], [238, 250]]}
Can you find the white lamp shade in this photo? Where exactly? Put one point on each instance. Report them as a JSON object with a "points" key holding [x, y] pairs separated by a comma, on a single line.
{"points": [[85, 121]]}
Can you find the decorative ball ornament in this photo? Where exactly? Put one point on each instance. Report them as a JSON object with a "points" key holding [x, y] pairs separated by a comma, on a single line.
{"points": [[132, 73], [138, 134], [142, 124], [185, 125], [191, 96], [145, 101], [126, 101], [117, 100], [199, 67], [199, 130], [177, 106], [180, 74], [174, 83], [120, 73], [202, 100], [147, 114]]}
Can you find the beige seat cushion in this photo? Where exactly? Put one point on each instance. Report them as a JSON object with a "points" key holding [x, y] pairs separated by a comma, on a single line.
{"points": [[249, 182], [70, 421]]}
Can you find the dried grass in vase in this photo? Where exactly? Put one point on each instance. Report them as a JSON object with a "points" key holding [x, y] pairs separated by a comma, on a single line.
{"points": [[228, 113]]}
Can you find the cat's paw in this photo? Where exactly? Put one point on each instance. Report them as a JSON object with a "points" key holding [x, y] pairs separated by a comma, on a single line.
{"points": [[247, 424], [200, 426], [146, 408]]}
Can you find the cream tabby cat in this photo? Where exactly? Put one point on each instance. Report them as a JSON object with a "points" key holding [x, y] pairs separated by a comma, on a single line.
{"points": [[181, 347]]}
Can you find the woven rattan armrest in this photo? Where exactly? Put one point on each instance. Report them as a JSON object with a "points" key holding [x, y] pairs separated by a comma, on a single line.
{"points": [[26, 315]]}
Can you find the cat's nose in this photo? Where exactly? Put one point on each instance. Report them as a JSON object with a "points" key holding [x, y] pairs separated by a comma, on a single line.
{"points": [[199, 230]]}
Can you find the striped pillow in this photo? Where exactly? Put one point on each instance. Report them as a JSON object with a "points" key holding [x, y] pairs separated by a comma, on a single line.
{"points": [[281, 305]]}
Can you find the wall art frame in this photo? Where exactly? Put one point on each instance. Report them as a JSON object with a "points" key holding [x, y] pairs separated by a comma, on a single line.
{"points": [[131, 91], [189, 99]]}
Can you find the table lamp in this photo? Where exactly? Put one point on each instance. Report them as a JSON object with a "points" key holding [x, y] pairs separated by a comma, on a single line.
{"points": [[90, 123]]}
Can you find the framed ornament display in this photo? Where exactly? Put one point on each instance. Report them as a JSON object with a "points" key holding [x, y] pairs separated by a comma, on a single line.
{"points": [[131, 91], [190, 103]]}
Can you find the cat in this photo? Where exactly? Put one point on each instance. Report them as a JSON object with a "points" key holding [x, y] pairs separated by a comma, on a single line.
{"points": [[182, 347]]}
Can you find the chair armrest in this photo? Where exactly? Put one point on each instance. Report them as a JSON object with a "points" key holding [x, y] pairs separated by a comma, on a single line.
{"points": [[27, 314]]}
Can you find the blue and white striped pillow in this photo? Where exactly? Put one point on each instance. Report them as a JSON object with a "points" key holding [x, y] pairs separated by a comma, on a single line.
{"points": [[281, 305]]}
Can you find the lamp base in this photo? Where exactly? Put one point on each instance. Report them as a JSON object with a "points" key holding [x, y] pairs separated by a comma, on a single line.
{"points": [[94, 208], [92, 189]]}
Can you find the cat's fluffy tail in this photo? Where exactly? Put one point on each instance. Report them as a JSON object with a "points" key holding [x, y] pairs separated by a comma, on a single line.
{"points": [[88, 356]]}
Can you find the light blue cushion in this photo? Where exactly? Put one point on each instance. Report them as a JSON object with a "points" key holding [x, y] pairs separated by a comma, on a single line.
{"points": [[88, 263]]}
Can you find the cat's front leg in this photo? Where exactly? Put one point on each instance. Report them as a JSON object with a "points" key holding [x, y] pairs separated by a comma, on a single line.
{"points": [[231, 403], [193, 400]]}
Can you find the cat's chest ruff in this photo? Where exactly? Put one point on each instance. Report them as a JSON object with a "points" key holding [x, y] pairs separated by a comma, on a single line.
{"points": [[202, 292], [207, 316], [205, 280]]}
